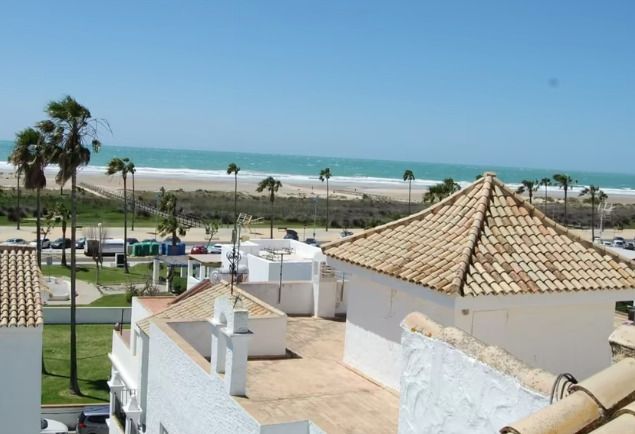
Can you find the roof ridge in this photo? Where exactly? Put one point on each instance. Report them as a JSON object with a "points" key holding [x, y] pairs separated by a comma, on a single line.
{"points": [[475, 232], [432, 208], [560, 229]]}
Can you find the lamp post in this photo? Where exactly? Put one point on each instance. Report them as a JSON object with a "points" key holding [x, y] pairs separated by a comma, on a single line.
{"points": [[98, 261], [315, 201]]}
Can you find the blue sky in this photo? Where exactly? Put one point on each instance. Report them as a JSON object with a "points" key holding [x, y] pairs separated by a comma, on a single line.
{"points": [[534, 83]]}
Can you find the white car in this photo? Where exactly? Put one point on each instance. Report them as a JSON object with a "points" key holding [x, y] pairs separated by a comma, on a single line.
{"points": [[15, 242], [215, 249], [46, 243], [50, 426]]}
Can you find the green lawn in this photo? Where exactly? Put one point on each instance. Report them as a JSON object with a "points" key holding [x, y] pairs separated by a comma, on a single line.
{"points": [[111, 300], [94, 342], [107, 276]]}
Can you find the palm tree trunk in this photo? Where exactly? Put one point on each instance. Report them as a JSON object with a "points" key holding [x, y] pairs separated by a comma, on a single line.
{"points": [[38, 240], [74, 384], [327, 204], [531, 195], [271, 220], [409, 189], [64, 243], [125, 227], [235, 198], [18, 213], [565, 205], [546, 200], [134, 203]]}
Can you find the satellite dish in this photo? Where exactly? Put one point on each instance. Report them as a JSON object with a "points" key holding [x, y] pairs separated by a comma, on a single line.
{"points": [[215, 277]]}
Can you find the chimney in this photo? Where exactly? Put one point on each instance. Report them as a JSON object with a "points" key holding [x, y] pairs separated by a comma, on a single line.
{"points": [[622, 342], [230, 344]]}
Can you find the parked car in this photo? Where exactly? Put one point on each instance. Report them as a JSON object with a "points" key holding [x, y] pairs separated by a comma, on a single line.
{"points": [[618, 243], [60, 243], [44, 242], [50, 426], [80, 243], [345, 233], [132, 241], [92, 420], [198, 250], [15, 242], [630, 246], [215, 249], [312, 242], [291, 235]]}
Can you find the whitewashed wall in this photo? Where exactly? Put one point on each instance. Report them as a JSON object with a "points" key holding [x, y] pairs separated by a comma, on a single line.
{"points": [[373, 331], [20, 379], [443, 390], [296, 298], [263, 270], [185, 397], [569, 338], [86, 315]]}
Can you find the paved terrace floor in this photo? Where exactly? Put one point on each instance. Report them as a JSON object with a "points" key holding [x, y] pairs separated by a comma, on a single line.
{"points": [[317, 385]]}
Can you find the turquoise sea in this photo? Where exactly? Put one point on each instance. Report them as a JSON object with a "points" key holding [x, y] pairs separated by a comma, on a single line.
{"points": [[206, 163]]}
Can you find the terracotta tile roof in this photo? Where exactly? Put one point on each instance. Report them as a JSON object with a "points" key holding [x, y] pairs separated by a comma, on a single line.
{"points": [[198, 304], [603, 403], [20, 299], [485, 240]]}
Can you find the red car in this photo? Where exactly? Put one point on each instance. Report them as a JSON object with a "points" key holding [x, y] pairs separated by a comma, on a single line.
{"points": [[198, 250]]}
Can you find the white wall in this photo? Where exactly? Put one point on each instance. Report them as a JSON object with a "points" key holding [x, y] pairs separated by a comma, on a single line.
{"points": [[269, 336], [296, 298], [443, 390], [373, 331], [122, 359], [569, 338], [86, 315], [20, 379], [185, 397]]}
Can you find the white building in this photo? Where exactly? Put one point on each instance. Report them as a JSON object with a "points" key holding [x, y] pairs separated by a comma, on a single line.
{"points": [[287, 274], [206, 363], [21, 324], [489, 263]]}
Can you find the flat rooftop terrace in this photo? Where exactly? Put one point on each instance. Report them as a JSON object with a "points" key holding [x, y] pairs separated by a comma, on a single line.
{"points": [[317, 385]]}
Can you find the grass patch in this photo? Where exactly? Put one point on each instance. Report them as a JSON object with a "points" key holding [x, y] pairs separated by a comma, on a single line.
{"points": [[94, 341], [111, 300], [139, 273]]}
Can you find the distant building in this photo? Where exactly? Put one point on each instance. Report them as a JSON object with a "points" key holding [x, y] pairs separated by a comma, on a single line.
{"points": [[489, 263], [21, 324]]}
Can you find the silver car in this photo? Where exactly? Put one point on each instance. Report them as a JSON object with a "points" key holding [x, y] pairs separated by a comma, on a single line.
{"points": [[92, 420]]}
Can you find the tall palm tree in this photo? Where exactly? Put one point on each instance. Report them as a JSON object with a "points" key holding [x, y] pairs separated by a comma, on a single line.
{"points": [[565, 182], [30, 155], [545, 182], [272, 185], [123, 166], [132, 169], [325, 174], [529, 186], [595, 196], [60, 214], [170, 224], [409, 176], [233, 168], [70, 126], [18, 173]]}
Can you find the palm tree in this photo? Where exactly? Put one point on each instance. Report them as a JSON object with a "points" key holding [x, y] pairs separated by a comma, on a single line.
{"points": [[70, 126], [441, 191], [123, 166], [170, 224], [546, 182], [233, 168], [18, 172], [132, 169], [409, 176], [325, 174], [272, 185], [595, 195], [30, 155], [529, 186], [60, 214], [564, 181]]}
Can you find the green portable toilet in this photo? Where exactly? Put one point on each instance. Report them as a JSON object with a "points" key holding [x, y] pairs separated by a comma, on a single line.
{"points": [[154, 248], [145, 249]]}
